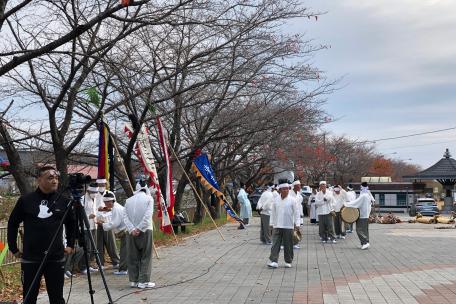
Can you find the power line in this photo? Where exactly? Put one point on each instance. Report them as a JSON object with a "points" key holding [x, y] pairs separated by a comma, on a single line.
{"points": [[421, 145], [410, 135]]}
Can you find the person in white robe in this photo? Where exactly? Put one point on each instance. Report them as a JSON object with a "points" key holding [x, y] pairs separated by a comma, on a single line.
{"points": [[116, 224], [313, 209], [105, 239], [340, 197], [296, 194], [351, 196], [90, 208], [324, 201], [264, 206], [364, 204], [284, 217], [138, 218], [246, 208]]}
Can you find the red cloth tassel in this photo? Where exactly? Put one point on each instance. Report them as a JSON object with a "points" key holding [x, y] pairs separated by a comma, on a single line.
{"points": [[125, 3]]}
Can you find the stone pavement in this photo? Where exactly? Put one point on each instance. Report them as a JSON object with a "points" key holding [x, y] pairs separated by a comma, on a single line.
{"points": [[407, 263]]}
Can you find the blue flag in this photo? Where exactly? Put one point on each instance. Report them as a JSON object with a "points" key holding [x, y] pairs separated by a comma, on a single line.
{"points": [[203, 170]]}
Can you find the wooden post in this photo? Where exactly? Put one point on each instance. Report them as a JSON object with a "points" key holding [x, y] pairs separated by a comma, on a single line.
{"points": [[196, 192]]}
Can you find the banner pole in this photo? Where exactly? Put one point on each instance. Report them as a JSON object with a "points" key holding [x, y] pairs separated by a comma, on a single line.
{"points": [[129, 183], [196, 192]]}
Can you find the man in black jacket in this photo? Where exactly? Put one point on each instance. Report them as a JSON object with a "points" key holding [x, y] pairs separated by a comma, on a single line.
{"points": [[41, 212]]}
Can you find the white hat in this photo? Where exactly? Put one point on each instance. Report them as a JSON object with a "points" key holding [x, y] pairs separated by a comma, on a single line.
{"points": [[296, 182], [323, 183], [109, 196], [101, 181]]}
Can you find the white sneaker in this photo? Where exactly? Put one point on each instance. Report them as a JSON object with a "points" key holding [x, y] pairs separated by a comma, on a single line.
{"points": [[90, 269], [133, 284], [120, 272], [68, 274], [324, 242], [273, 265], [287, 265], [342, 237], [66, 277], [281, 247], [296, 247], [146, 285], [365, 246], [334, 241]]}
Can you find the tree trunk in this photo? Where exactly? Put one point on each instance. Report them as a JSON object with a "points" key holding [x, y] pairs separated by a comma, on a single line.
{"points": [[18, 170], [199, 211], [181, 186]]}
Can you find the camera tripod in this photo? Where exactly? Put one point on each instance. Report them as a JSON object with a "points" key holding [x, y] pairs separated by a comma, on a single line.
{"points": [[82, 223]]}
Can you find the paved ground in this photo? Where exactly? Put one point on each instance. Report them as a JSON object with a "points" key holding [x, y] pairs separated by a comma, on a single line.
{"points": [[407, 263]]}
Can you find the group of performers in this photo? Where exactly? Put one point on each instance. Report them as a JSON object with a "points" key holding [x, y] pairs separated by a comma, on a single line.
{"points": [[281, 211]]}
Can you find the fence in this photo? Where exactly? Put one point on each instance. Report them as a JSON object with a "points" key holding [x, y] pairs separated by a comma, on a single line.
{"points": [[9, 259]]}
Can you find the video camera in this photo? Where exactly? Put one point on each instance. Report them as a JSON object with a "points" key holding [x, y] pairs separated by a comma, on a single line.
{"points": [[76, 182]]}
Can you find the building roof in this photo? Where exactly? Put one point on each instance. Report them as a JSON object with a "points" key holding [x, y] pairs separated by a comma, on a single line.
{"points": [[444, 169]]}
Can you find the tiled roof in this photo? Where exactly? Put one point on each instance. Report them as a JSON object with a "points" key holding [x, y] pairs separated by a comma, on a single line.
{"points": [[443, 169]]}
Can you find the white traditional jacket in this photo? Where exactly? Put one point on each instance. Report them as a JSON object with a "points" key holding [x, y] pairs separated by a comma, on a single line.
{"points": [[340, 199], [363, 203], [265, 202], [284, 214], [90, 208], [298, 197], [324, 206], [138, 212], [116, 222]]}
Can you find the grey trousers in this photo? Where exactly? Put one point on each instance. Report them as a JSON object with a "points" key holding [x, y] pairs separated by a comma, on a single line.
{"points": [[281, 236], [123, 264], [326, 226], [75, 260], [90, 250], [108, 240], [362, 229], [265, 232], [139, 257], [339, 225]]}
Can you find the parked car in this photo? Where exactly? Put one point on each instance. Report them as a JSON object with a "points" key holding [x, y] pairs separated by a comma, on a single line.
{"points": [[424, 206], [306, 190]]}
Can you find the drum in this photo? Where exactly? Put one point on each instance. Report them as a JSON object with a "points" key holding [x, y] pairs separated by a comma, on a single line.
{"points": [[349, 215]]}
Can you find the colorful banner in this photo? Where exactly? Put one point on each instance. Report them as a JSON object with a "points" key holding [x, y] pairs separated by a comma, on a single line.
{"points": [[203, 170], [169, 192], [105, 156], [3, 252], [144, 153]]}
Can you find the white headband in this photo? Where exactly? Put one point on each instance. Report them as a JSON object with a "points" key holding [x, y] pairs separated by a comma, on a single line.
{"points": [[322, 183], [284, 186], [101, 180], [92, 189], [296, 182]]}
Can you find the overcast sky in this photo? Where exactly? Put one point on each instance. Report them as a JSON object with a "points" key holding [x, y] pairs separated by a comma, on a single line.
{"points": [[398, 60]]}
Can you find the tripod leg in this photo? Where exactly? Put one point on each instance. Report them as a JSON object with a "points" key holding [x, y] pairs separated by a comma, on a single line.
{"points": [[83, 222]]}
